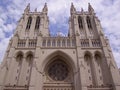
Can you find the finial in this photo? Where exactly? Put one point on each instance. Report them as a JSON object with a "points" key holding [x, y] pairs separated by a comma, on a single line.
{"points": [[27, 9], [45, 9], [72, 9], [16, 34], [72, 6], [90, 9], [82, 10], [88, 3], [35, 9], [45, 3]]}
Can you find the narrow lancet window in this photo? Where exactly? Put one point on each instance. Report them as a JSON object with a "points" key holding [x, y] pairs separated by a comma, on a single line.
{"points": [[98, 61], [29, 68], [19, 59], [29, 23], [89, 23], [37, 25], [63, 43], [80, 22], [29, 58], [53, 42], [58, 43], [44, 43], [89, 70], [48, 43]]}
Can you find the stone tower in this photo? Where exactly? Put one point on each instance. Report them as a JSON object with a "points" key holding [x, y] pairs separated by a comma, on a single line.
{"points": [[35, 60]]}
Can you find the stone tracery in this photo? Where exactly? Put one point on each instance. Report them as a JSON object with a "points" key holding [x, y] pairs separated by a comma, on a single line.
{"points": [[58, 71]]}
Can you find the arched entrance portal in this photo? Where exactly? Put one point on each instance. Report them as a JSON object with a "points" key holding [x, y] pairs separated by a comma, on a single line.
{"points": [[58, 74]]}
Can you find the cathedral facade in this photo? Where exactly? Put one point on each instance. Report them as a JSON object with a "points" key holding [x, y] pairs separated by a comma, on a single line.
{"points": [[35, 60]]}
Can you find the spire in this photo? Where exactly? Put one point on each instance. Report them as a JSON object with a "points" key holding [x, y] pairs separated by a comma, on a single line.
{"points": [[35, 9], [90, 9], [72, 9], [82, 10], [45, 9], [27, 9]]}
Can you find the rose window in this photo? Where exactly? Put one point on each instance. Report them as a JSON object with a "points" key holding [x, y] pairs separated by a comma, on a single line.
{"points": [[58, 71]]}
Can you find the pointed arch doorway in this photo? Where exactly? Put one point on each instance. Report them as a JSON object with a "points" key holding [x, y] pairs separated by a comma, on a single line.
{"points": [[58, 74]]}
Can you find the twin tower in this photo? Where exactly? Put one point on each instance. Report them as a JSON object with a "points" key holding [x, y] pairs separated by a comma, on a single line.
{"points": [[35, 60]]}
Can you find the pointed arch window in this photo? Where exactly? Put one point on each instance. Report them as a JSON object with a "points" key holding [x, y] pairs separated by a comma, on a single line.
{"points": [[98, 62], [89, 22], [80, 22], [89, 70], [44, 43], [29, 67], [48, 43], [68, 42], [73, 42], [53, 42], [98, 59], [37, 25], [19, 60], [58, 43], [29, 23], [63, 43], [29, 58]]}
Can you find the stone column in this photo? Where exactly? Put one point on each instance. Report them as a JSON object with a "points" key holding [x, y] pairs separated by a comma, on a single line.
{"points": [[81, 81]]}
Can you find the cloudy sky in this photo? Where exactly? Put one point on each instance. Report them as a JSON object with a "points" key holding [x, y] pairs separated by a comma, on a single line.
{"points": [[108, 12]]}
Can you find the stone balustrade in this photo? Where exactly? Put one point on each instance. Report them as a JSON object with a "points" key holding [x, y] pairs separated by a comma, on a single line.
{"points": [[58, 42]]}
